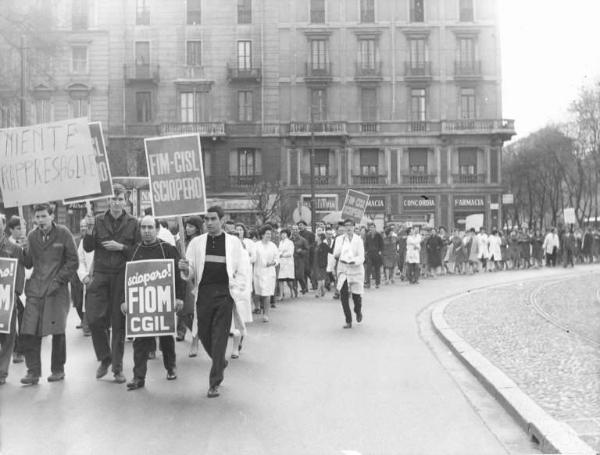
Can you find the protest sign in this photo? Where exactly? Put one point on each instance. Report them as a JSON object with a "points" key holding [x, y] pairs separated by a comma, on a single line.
{"points": [[355, 205], [150, 297], [47, 162], [176, 175], [569, 215], [106, 186], [8, 281]]}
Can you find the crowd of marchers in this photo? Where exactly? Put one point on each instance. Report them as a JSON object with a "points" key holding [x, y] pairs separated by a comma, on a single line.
{"points": [[228, 275]]}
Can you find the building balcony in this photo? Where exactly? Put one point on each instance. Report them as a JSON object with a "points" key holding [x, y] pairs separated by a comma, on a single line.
{"points": [[205, 129], [467, 70], [369, 179], [368, 72], [419, 126], [417, 71], [369, 127], [141, 73], [318, 129], [502, 127], [466, 179], [320, 180], [415, 128], [254, 129], [419, 179], [235, 74], [135, 129], [318, 73], [244, 182], [190, 73]]}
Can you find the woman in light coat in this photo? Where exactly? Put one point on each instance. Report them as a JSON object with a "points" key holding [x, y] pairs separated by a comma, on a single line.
{"points": [[265, 274], [286, 263], [495, 250], [413, 254]]}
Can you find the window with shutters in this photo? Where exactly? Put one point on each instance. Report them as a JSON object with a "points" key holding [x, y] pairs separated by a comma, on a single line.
{"points": [[42, 111], [318, 54], [466, 52], [367, 10], [79, 59], [245, 106], [466, 10], [368, 98], [369, 163], [143, 107], [192, 107], [321, 163], [193, 53], [244, 11], [80, 15], [368, 54], [247, 162], [418, 104], [193, 12], [418, 53], [79, 105], [467, 103], [417, 10], [244, 60], [318, 105], [317, 11], [142, 13], [417, 161], [467, 162]]}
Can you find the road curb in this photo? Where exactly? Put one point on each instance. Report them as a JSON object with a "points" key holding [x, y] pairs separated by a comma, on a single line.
{"points": [[551, 435]]}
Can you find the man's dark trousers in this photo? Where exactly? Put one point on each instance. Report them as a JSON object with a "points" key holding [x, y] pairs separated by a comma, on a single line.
{"points": [[103, 309], [214, 308], [373, 267], [32, 347], [345, 299], [141, 349]]}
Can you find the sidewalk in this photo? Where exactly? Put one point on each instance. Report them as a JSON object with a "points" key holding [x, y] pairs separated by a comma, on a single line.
{"points": [[534, 344]]}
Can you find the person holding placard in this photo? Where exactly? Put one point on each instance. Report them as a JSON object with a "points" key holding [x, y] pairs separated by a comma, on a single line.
{"points": [[52, 253], [350, 253], [151, 247], [111, 235], [9, 249], [214, 262]]}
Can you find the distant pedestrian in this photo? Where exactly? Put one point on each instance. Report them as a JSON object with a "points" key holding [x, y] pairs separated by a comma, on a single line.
{"points": [[373, 255], [286, 275], [550, 247], [350, 253], [265, 277], [52, 253], [214, 262], [390, 255], [320, 263], [242, 310], [413, 254], [18, 237]]}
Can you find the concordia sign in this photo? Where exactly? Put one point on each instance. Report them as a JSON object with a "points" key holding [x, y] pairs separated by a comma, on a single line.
{"points": [[418, 203]]}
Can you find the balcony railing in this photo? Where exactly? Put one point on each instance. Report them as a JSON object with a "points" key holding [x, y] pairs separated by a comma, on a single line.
{"points": [[419, 179], [419, 126], [318, 70], [142, 72], [369, 127], [390, 128], [368, 71], [320, 179], [189, 72], [417, 70], [253, 129], [205, 129], [369, 179], [467, 69], [469, 178], [235, 74], [244, 181], [318, 128], [484, 126]]}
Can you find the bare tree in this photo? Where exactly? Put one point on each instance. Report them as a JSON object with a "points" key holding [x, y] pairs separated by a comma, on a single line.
{"points": [[271, 202]]}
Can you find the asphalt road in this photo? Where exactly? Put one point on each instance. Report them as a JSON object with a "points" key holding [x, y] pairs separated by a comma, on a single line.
{"points": [[302, 385]]}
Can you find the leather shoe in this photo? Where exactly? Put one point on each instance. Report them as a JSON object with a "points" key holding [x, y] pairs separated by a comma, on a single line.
{"points": [[55, 377], [213, 392], [359, 317], [171, 375], [30, 379], [348, 325], [18, 358], [135, 383], [102, 369], [119, 378]]}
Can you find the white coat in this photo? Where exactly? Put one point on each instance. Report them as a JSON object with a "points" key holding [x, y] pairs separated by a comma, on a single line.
{"points": [[286, 260], [243, 304], [85, 268], [494, 247], [265, 277], [413, 249], [484, 252], [350, 250], [196, 255], [550, 242]]}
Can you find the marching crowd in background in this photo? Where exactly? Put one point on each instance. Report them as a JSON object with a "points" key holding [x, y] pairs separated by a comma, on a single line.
{"points": [[227, 275]]}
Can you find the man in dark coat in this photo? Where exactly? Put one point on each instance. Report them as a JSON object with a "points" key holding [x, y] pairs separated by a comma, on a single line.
{"points": [[52, 253], [152, 247], [310, 241], [11, 250], [301, 251], [111, 235], [434, 246], [373, 256]]}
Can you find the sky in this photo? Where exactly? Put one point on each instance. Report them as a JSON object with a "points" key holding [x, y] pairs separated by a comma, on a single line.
{"points": [[550, 49]]}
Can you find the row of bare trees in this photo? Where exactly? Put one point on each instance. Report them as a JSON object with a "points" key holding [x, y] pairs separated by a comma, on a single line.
{"points": [[557, 167]]}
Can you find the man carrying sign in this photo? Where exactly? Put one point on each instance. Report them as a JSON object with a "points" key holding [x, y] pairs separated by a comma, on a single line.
{"points": [[111, 235], [153, 248], [9, 249]]}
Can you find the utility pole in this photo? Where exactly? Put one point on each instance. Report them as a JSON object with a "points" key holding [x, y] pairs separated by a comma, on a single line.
{"points": [[312, 172]]}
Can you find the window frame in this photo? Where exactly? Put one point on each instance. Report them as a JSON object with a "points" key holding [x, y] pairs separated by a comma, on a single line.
{"points": [[317, 15], [419, 114], [416, 15], [368, 113], [74, 67], [470, 8], [244, 57], [150, 112], [469, 166], [81, 11], [367, 47], [320, 52], [142, 12], [321, 108], [242, 155], [367, 11], [244, 12], [190, 14], [245, 106], [197, 53], [471, 112], [417, 167]]}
